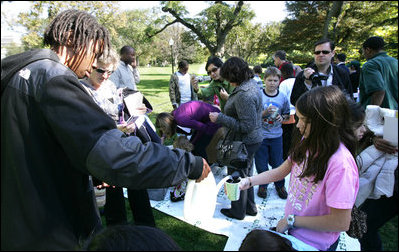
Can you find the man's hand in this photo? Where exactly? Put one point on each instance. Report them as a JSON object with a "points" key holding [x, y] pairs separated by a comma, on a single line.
{"points": [[206, 169], [133, 63], [307, 72]]}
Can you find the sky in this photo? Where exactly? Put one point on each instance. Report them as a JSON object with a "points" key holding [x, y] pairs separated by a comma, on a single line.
{"points": [[265, 11]]}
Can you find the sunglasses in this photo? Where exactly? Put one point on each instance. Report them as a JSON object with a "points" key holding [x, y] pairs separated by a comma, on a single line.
{"points": [[213, 70], [102, 71], [324, 52]]}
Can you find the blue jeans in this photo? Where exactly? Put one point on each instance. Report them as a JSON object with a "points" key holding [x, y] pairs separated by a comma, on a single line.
{"points": [[270, 152]]}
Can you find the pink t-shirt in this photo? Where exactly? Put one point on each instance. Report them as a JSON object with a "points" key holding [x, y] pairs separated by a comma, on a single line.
{"points": [[338, 190]]}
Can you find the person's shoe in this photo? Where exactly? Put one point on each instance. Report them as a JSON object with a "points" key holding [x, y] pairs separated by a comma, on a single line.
{"points": [[282, 193], [262, 192], [251, 213], [226, 212]]}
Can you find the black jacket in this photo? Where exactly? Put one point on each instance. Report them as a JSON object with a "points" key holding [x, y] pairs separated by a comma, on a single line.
{"points": [[53, 135], [340, 78]]}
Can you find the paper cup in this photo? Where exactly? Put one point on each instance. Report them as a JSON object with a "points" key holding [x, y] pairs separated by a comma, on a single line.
{"points": [[232, 190]]}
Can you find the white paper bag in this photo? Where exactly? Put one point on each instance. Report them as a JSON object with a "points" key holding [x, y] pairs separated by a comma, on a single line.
{"points": [[391, 129]]}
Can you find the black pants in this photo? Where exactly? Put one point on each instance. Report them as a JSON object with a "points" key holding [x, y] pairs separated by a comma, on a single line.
{"points": [[246, 203], [379, 212], [200, 146], [115, 210]]}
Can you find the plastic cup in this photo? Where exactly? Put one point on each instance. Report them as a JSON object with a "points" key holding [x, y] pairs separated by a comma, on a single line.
{"points": [[232, 189]]}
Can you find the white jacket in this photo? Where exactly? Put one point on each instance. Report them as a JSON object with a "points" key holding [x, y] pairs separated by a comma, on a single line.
{"points": [[376, 175]]}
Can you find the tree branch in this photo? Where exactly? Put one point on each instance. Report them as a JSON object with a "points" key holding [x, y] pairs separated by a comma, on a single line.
{"points": [[190, 26], [155, 33]]}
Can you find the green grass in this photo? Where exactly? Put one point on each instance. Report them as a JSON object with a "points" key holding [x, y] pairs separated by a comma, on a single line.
{"points": [[154, 85]]}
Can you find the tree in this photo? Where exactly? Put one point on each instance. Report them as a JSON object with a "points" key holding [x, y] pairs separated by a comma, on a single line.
{"points": [[249, 41], [213, 24], [130, 30], [334, 12], [348, 25], [42, 12]]}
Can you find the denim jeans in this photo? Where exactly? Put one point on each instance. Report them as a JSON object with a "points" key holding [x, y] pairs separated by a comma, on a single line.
{"points": [[270, 152]]}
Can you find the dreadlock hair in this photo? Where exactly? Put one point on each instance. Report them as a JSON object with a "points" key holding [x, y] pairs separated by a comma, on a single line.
{"points": [[76, 29], [327, 113]]}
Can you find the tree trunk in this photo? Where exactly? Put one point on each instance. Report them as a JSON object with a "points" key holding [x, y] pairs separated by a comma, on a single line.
{"points": [[220, 33], [334, 11]]}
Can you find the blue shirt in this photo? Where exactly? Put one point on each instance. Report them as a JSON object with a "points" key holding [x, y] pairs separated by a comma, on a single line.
{"points": [[270, 127]]}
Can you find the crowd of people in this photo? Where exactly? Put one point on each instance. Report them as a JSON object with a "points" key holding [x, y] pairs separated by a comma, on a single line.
{"points": [[71, 121]]}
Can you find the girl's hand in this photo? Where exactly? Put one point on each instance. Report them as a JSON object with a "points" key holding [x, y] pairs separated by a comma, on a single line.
{"points": [[213, 116], [282, 225], [245, 183]]}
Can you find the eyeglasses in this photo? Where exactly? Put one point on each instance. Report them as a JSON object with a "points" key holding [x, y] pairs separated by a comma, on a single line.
{"points": [[324, 52], [213, 70], [102, 71]]}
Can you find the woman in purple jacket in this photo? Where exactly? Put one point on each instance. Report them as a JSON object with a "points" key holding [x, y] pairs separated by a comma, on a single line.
{"points": [[193, 115]]}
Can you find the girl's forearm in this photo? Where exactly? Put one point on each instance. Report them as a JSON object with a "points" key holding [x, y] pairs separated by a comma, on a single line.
{"points": [[272, 175], [337, 221]]}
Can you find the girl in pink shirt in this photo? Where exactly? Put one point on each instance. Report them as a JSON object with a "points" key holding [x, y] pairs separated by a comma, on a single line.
{"points": [[324, 178]]}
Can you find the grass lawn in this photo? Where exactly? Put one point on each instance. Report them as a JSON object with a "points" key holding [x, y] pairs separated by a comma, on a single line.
{"points": [[154, 85]]}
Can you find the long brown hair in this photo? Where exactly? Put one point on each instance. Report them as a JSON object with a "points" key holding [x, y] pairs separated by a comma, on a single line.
{"points": [[327, 114]]}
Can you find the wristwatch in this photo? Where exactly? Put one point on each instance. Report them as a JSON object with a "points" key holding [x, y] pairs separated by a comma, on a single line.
{"points": [[291, 220]]}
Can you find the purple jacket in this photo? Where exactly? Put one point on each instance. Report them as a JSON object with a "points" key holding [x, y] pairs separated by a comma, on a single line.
{"points": [[195, 115]]}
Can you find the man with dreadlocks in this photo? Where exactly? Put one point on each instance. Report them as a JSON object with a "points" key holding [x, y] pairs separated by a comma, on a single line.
{"points": [[53, 135]]}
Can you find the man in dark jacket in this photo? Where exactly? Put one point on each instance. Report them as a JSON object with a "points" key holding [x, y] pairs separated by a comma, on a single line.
{"points": [[322, 72], [53, 135]]}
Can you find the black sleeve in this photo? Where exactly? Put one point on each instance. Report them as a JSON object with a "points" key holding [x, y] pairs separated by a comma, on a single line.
{"points": [[94, 146], [298, 89], [342, 80]]}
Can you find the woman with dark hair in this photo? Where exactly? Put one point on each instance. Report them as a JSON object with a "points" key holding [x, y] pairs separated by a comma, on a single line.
{"points": [[378, 179], [218, 89], [242, 117]]}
